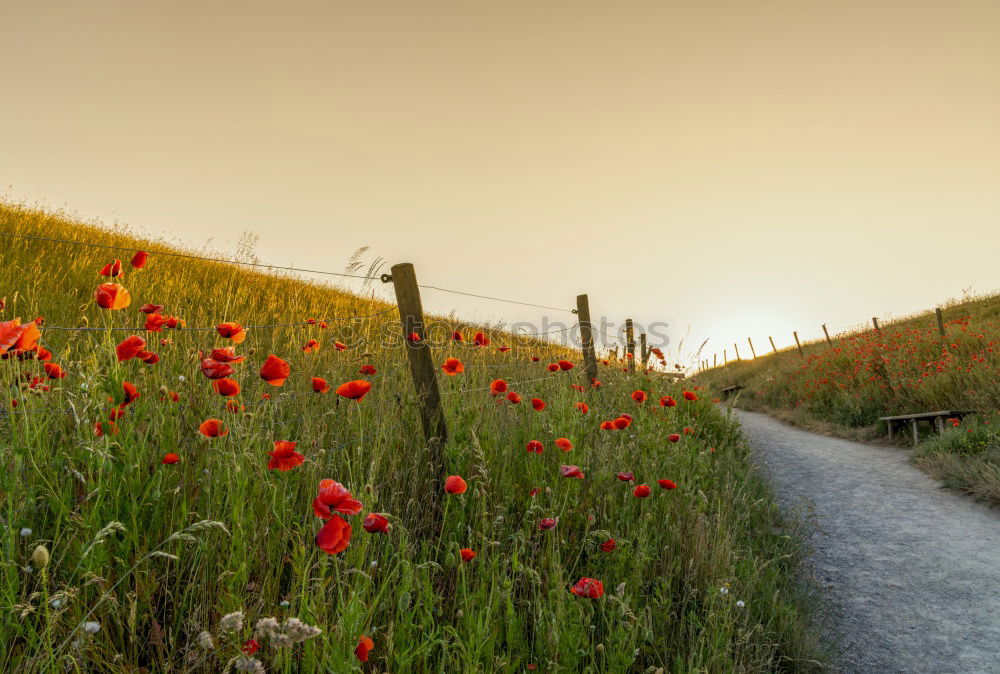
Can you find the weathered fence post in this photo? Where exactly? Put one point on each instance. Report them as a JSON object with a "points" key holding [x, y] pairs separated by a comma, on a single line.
{"points": [[725, 357], [411, 314], [940, 321], [737, 350], [796, 335], [828, 341], [642, 349], [752, 351], [586, 337], [630, 344], [875, 323], [773, 347], [715, 358]]}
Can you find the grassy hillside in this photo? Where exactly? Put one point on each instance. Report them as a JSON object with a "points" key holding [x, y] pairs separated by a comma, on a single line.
{"points": [[905, 367], [132, 541]]}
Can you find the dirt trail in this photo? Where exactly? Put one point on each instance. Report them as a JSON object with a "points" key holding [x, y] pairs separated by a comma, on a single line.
{"points": [[911, 572]]}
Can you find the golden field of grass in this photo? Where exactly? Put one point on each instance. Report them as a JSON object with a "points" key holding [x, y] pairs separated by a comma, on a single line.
{"points": [[132, 541]]}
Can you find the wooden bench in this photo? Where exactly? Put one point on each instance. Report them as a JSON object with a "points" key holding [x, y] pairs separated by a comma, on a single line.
{"points": [[935, 419], [729, 390]]}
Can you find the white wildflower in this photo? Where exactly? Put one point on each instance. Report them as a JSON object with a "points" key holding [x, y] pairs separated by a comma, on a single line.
{"points": [[26, 531], [245, 663], [740, 604], [232, 622], [91, 627], [205, 641]]}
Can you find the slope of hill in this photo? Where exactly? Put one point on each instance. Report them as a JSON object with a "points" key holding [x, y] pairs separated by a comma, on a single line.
{"points": [[157, 518], [905, 367]]}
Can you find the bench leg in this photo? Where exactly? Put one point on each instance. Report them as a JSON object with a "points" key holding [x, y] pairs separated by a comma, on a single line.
{"points": [[916, 435], [939, 424], [889, 424]]}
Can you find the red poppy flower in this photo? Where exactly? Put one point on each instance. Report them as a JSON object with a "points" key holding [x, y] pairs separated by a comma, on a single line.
{"points": [[131, 393], [467, 554], [535, 491], [334, 536], [365, 645], [233, 331], [571, 471], [582, 407], [538, 404], [565, 365], [498, 386], [690, 395], [213, 369], [668, 401], [334, 497], [367, 370], [607, 425], [116, 413], [354, 390], [139, 259], [213, 428], [564, 444], [535, 359], [413, 337], [112, 296], [588, 588], [250, 646], [595, 383], [226, 387], [547, 523], [455, 485], [535, 446], [130, 347], [102, 428], [481, 340], [340, 346], [688, 430], [608, 545], [674, 437], [641, 491], [376, 524], [503, 349], [452, 366], [155, 322], [457, 336], [312, 346], [151, 308], [54, 371], [577, 388], [234, 406], [667, 484], [173, 322], [170, 458], [639, 396], [112, 269], [275, 371], [514, 397], [173, 396], [148, 357], [320, 385], [284, 456], [552, 367], [226, 355]]}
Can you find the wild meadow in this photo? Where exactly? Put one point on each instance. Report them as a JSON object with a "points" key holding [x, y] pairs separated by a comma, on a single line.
{"points": [[225, 471], [905, 367]]}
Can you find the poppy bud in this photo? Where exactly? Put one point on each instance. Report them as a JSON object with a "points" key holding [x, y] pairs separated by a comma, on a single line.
{"points": [[85, 321], [449, 561], [599, 648], [460, 613], [40, 557], [403, 604]]}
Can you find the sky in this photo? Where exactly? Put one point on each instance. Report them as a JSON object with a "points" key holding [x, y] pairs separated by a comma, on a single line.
{"points": [[731, 169]]}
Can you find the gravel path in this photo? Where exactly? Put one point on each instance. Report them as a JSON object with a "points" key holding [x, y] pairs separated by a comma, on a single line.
{"points": [[911, 572]]}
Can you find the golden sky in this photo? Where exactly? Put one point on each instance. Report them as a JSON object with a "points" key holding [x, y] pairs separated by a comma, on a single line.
{"points": [[736, 169]]}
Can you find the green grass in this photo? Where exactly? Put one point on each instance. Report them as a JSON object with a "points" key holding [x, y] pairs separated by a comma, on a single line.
{"points": [[904, 368], [157, 554]]}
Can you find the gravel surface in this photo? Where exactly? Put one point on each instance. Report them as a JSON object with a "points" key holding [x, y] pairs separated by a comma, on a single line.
{"points": [[910, 572]]}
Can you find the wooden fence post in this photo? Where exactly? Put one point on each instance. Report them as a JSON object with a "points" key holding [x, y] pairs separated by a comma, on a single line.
{"points": [[773, 347], [829, 343], [715, 358], [725, 357], [875, 323], [642, 349], [752, 351], [940, 321], [586, 337], [801, 355], [630, 344], [411, 314], [737, 350]]}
